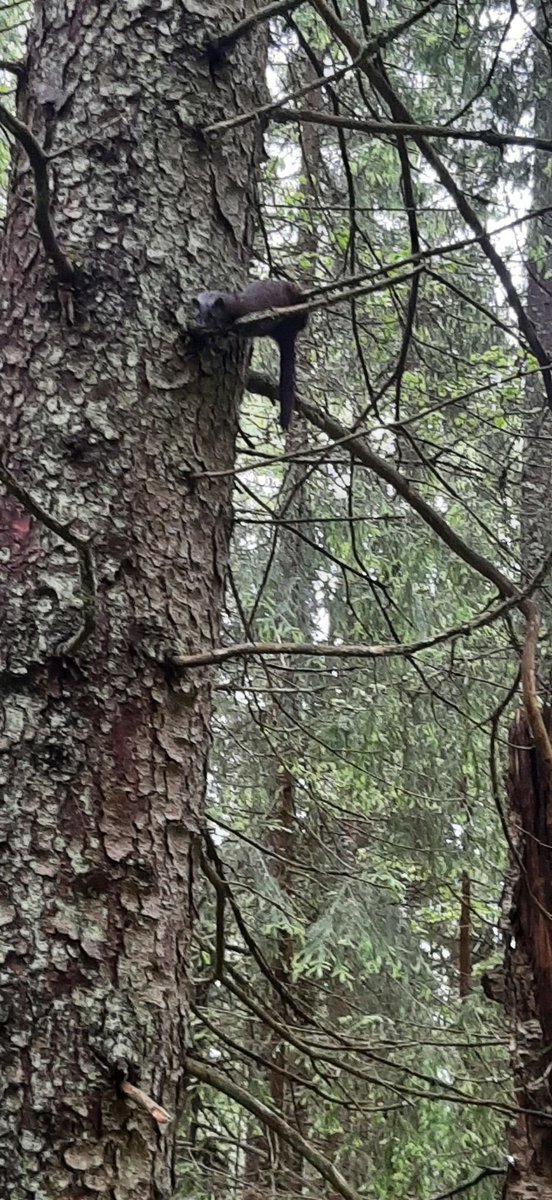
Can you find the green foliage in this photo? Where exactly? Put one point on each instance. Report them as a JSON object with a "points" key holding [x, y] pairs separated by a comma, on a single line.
{"points": [[351, 797]]}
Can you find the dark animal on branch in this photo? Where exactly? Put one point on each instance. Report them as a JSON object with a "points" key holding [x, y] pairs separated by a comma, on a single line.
{"points": [[217, 312]]}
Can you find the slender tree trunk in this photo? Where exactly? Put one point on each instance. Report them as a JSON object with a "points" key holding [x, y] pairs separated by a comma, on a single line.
{"points": [[464, 937], [112, 417], [269, 1164]]}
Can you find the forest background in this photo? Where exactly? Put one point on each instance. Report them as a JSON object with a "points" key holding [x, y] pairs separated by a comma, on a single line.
{"points": [[373, 871]]}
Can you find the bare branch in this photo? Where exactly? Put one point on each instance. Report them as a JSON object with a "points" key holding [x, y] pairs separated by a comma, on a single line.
{"points": [[385, 39], [443, 250], [242, 28], [43, 219], [358, 446], [270, 1118], [489, 137], [282, 7], [221, 654], [465, 1187], [155, 1110], [264, 110]]}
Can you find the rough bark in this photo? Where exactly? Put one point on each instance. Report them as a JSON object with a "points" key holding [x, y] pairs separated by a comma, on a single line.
{"points": [[528, 904], [109, 419]]}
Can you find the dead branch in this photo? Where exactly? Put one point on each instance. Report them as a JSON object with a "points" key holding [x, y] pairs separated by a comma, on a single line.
{"points": [[43, 218], [242, 28], [207, 1074], [489, 137], [155, 1110], [221, 654]]}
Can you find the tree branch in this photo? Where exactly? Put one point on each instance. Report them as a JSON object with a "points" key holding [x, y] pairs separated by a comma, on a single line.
{"points": [[464, 1187], [267, 1116], [401, 114], [242, 28], [287, 6], [315, 1053], [43, 219], [221, 654], [489, 137], [265, 110], [359, 448]]}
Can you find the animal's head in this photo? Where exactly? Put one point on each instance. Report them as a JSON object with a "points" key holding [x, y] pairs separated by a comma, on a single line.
{"points": [[210, 310]]}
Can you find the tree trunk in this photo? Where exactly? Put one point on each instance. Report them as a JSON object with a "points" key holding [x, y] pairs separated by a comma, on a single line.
{"points": [[272, 1165], [464, 937], [528, 903], [528, 895], [113, 417]]}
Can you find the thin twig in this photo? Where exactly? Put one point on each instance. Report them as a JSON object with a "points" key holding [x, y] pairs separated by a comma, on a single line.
{"points": [[242, 28]]}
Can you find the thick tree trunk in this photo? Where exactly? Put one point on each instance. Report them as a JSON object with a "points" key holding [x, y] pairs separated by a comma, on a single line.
{"points": [[109, 419]]}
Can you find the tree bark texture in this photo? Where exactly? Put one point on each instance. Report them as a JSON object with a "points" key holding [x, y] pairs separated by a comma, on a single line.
{"points": [[527, 905], [115, 418]]}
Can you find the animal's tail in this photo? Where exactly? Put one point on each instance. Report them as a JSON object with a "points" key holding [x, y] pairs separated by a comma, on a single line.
{"points": [[287, 380]]}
